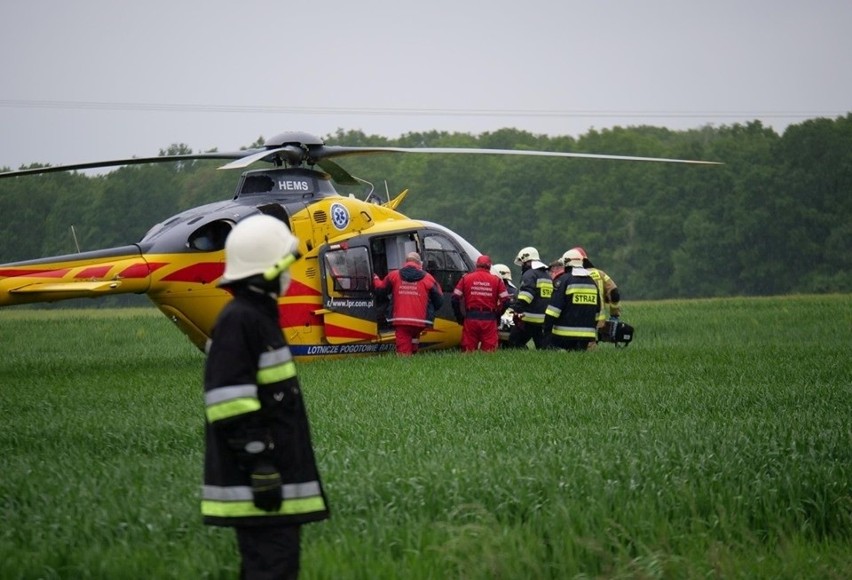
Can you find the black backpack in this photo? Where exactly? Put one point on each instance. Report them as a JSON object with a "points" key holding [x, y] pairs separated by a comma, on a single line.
{"points": [[615, 331]]}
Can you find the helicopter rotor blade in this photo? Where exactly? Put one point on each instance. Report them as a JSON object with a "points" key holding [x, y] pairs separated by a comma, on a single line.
{"points": [[341, 151], [295, 148], [338, 174], [265, 154], [121, 162]]}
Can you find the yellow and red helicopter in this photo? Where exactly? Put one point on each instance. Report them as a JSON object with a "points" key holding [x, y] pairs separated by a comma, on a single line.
{"points": [[329, 309]]}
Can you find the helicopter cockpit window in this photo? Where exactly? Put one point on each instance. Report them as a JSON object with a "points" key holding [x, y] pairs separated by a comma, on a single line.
{"points": [[443, 260], [348, 270], [257, 184], [210, 237]]}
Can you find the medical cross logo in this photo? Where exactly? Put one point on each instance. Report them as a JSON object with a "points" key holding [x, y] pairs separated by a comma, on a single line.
{"points": [[339, 216]]}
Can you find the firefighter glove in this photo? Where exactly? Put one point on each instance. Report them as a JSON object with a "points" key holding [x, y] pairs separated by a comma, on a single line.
{"points": [[266, 487]]}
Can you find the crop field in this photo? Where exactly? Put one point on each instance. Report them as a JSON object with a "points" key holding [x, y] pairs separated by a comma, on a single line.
{"points": [[719, 444]]}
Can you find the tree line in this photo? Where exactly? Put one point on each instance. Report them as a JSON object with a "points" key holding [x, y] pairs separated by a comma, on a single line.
{"points": [[773, 219]]}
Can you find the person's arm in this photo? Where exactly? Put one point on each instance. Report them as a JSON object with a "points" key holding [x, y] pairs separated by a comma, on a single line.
{"points": [[456, 299]]}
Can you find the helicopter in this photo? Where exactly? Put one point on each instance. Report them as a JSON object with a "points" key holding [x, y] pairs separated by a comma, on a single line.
{"points": [[330, 309]]}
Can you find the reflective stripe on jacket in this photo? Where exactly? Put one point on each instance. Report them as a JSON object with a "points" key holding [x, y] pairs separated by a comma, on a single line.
{"points": [[533, 295], [252, 394], [575, 305]]}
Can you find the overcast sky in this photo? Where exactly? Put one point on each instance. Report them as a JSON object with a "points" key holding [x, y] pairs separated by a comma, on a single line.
{"points": [[87, 80]]}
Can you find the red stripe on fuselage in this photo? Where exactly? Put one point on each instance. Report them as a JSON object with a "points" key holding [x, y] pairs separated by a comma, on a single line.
{"points": [[141, 270], [202, 273], [297, 288], [38, 273], [344, 332], [298, 314], [94, 272]]}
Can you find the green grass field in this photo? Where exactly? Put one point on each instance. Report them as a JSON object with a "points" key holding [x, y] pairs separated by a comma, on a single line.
{"points": [[719, 444]]}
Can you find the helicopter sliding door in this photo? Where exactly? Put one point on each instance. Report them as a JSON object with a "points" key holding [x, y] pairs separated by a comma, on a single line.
{"points": [[388, 253], [356, 316], [444, 255], [349, 313]]}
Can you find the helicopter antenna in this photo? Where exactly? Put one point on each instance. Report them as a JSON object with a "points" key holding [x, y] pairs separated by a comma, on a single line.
{"points": [[370, 197], [74, 235], [387, 190]]}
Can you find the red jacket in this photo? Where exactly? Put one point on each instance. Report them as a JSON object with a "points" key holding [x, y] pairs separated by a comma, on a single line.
{"points": [[416, 295], [480, 291]]}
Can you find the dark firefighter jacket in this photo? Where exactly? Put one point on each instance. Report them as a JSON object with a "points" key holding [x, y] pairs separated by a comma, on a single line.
{"points": [[533, 294], [416, 295], [251, 393], [573, 310]]}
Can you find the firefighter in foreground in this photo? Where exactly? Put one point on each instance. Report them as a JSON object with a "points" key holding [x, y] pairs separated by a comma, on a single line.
{"points": [[571, 321], [531, 302], [260, 474], [478, 300]]}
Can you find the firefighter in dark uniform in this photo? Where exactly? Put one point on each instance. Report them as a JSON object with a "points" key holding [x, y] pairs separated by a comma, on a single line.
{"points": [[571, 322], [607, 287], [260, 474], [478, 300], [532, 300]]}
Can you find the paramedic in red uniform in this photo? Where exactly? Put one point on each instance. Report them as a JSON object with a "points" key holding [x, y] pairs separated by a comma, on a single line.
{"points": [[416, 296], [478, 300]]}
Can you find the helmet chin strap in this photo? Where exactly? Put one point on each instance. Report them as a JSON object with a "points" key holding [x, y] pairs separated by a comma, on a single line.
{"points": [[276, 278], [265, 289], [281, 266]]}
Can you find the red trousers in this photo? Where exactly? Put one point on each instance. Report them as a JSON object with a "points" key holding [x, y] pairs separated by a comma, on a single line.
{"points": [[475, 332], [407, 339]]}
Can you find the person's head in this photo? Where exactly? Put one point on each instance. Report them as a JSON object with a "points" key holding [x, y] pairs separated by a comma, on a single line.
{"points": [[572, 258], [525, 255], [556, 267], [413, 258], [502, 270], [259, 251], [483, 261]]}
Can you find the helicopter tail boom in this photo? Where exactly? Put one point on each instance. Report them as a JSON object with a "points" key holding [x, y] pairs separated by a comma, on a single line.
{"points": [[87, 275]]}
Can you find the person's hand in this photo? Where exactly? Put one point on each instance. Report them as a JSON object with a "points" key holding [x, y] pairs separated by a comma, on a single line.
{"points": [[266, 487]]}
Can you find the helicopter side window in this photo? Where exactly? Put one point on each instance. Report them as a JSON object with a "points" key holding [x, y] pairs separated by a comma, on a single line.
{"points": [[443, 260], [210, 237], [389, 253], [348, 269], [257, 184]]}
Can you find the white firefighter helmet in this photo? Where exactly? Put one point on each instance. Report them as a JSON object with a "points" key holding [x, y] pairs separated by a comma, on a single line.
{"points": [[573, 258], [581, 250], [259, 244], [502, 270], [525, 255]]}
